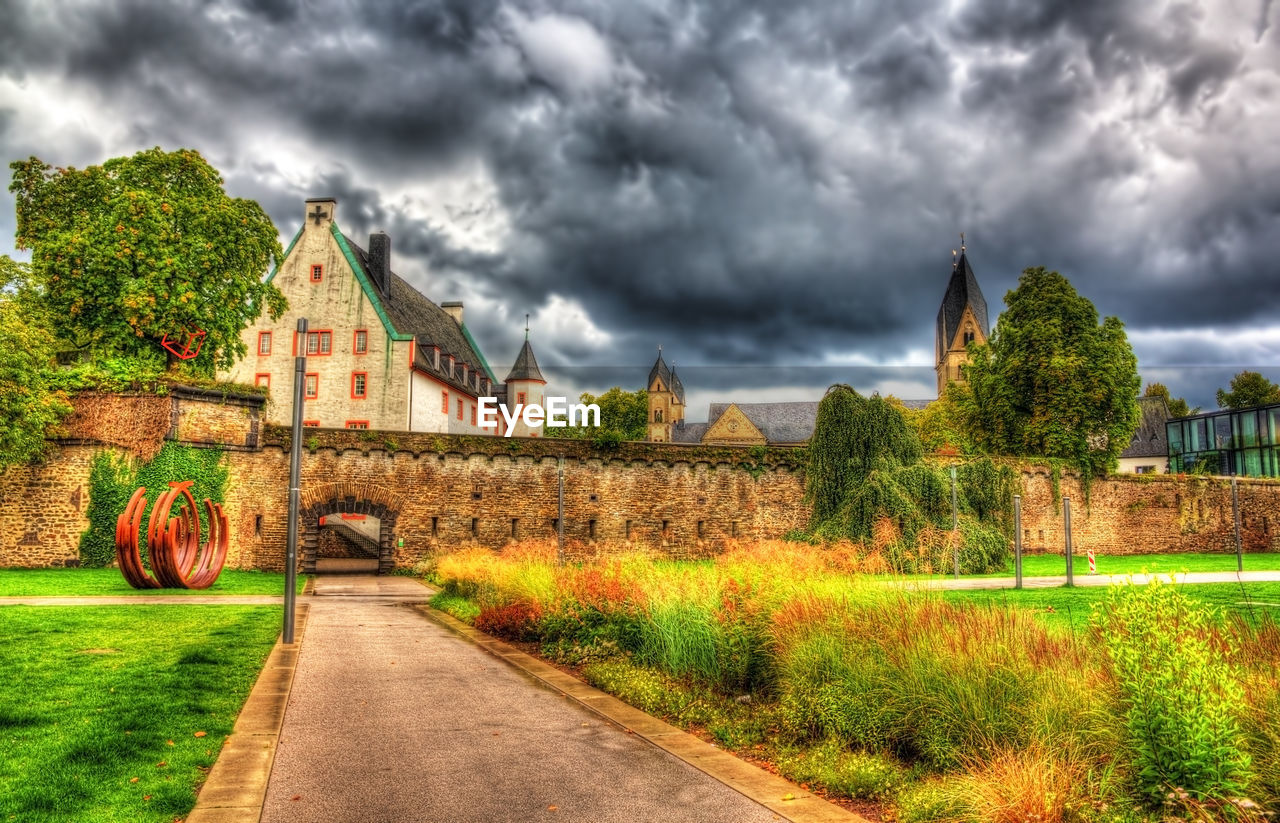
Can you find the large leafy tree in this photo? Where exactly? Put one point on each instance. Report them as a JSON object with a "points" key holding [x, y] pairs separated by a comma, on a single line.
{"points": [[1248, 388], [1177, 405], [29, 404], [1052, 381], [623, 416], [146, 246]]}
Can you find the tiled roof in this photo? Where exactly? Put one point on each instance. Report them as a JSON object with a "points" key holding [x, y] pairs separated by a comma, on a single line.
{"points": [[412, 313], [778, 422], [1149, 440], [682, 432], [668, 376], [962, 290], [526, 366]]}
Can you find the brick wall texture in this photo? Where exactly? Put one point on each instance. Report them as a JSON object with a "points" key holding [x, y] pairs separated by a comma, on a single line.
{"points": [[687, 501]]}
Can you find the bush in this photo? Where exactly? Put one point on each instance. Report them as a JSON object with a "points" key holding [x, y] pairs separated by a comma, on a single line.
{"points": [[1179, 693], [852, 774], [513, 621]]}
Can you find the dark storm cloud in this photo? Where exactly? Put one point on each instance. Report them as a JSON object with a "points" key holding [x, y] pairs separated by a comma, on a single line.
{"points": [[764, 186]]}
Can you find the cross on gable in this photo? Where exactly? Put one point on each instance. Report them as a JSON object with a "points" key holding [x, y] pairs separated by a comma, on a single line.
{"points": [[318, 215]]}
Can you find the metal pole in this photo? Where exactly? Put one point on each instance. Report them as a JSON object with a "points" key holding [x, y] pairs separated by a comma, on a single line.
{"points": [[1235, 514], [1066, 526], [295, 480], [1017, 541], [560, 513], [955, 524]]}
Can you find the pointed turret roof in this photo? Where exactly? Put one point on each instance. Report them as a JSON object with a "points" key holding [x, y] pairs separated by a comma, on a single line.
{"points": [[961, 291], [526, 366], [660, 371]]}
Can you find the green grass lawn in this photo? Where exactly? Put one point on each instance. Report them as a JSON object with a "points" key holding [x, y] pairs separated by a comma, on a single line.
{"points": [[88, 582], [1055, 565], [1072, 606], [100, 706]]}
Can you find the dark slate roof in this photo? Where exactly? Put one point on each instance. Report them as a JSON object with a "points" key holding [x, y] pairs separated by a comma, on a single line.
{"points": [[1149, 439], [961, 291], [682, 432], [412, 313], [526, 367], [669, 378], [778, 422]]}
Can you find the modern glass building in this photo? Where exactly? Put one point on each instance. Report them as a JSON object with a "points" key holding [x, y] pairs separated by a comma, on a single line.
{"points": [[1232, 441]]}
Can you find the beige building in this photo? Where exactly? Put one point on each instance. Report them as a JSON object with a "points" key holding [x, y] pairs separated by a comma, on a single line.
{"points": [[1148, 450], [962, 319], [380, 355], [666, 401]]}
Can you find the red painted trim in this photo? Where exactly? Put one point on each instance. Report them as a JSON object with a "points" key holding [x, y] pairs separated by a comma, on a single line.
{"points": [[354, 375], [316, 268], [308, 376], [317, 352], [443, 384], [312, 424], [353, 424], [355, 516], [261, 336], [459, 408], [354, 337], [295, 344], [257, 379], [444, 402], [411, 353], [473, 414]]}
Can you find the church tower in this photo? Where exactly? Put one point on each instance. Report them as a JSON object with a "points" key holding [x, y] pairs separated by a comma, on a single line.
{"points": [[526, 386], [961, 319], [666, 400]]}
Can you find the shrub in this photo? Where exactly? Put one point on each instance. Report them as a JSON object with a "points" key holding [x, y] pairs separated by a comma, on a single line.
{"points": [[514, 621], [1179, 693], [852, 774]]}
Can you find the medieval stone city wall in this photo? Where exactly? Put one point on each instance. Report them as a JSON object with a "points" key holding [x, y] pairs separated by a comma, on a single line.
{"points": [[448, 491]]}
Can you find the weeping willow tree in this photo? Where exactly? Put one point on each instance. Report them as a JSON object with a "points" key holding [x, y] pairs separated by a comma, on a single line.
{"points": [[865, 473]]}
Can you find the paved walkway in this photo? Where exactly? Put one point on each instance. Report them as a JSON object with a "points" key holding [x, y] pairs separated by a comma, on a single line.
{"points": [[393, 717], [1095, 580]]}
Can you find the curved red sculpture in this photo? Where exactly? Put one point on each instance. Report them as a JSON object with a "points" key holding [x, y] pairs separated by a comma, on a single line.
{"points": [[178, 561]]}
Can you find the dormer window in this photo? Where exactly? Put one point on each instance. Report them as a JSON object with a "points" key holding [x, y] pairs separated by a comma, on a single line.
{"points": [[464, 372], [451, 365], [435, 357]]}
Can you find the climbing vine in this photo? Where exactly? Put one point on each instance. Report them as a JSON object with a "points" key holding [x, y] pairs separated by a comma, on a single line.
{"points": [[113, 479], [867, 482]]}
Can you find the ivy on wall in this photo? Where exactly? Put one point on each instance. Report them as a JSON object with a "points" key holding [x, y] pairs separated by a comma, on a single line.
{"points": [[113, 479]]}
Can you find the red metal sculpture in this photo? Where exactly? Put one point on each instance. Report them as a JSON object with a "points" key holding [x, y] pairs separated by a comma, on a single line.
{"points": [[178, 561], [187, 350]]}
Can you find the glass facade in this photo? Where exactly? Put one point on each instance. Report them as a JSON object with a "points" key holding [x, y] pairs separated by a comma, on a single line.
{"points": [[1241, 441]]}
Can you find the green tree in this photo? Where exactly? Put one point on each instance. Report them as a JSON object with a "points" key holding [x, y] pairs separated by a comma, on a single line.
{"points": [[146, 246], [1177, 405], [939, 425], [623, 416], [29, 405], [1052, 381], [1248, 388]]}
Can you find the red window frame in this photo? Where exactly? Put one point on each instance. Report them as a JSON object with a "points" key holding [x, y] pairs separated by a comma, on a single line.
{"points": [[258, 381], [521, 397], [317, 272], [459, 408], [264, 336], [321, 336], [364, 385], [360, 342], [311, 391], [473, 414], [312, 424], [444, 402], [356, 424]]}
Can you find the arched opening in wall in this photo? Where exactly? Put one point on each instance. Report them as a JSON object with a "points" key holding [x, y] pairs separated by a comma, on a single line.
{"points": [[348, 543], [361, 542]]}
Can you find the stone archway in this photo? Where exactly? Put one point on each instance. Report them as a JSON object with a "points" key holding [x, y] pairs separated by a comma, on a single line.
{"points": [[323, 499]]}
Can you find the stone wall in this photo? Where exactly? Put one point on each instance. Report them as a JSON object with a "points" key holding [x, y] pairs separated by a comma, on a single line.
{"points": [[446, 491]]}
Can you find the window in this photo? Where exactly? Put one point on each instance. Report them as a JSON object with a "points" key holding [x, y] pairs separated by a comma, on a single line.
{"points": [[361, 343], [657, 415], [459, 408], [357, 424], [320, 343], [473, 414], [444, 402], [1145, 470], [520, 398], [262, 380], [317, 272], [968, 337], [311, 424], [313, 385], [264, 343], [359, 385]]}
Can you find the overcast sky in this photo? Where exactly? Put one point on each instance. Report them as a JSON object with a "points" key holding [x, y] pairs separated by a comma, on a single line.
{"points": [[769, 190]]}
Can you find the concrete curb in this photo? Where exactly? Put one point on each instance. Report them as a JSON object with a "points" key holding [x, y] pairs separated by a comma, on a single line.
{"points": [[751, 781], [237, 785]]}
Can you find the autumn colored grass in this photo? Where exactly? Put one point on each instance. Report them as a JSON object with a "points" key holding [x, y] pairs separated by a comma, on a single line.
{"points": [[944, 706], [114, 714]]}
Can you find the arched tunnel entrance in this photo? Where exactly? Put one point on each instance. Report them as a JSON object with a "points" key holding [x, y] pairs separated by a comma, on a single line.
{"points": [[354, 536]]}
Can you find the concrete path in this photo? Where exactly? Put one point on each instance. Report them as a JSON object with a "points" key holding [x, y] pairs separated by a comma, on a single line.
{"points": [[395, 718], [1095, 580]]}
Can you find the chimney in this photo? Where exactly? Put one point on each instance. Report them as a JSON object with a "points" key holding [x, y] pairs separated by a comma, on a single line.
{"points": [[454, 310], [380, 261]]}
